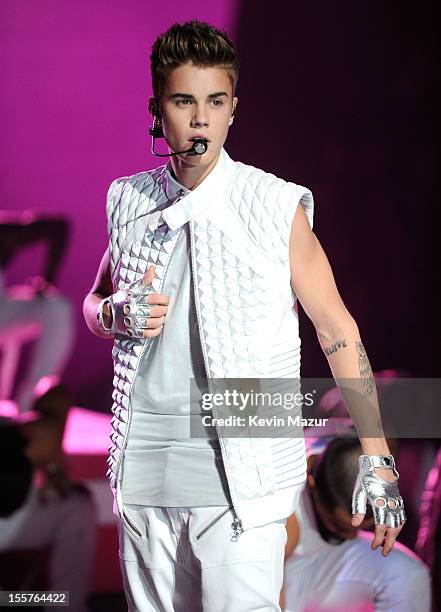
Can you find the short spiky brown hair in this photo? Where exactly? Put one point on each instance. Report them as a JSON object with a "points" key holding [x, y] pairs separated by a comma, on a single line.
{"points": [[193, 41]]}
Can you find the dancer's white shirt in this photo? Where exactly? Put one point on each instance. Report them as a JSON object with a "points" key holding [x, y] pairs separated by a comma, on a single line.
{"points": [[323, 577]]}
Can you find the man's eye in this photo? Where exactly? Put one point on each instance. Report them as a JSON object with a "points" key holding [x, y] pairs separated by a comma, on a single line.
{"points": [[217, 102], [182, 102]]}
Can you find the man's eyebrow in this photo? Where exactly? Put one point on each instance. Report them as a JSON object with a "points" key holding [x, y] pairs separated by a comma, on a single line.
{"points": [[218, 94]]}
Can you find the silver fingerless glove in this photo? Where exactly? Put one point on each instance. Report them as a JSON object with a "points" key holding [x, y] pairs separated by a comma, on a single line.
{"points": [[387, 504], [129, 309]]}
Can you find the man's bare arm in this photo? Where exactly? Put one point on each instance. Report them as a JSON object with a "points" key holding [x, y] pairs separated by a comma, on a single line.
{"points": [[313, 282]]}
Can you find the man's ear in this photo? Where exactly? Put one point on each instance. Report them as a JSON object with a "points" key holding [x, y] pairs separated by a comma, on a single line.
{"points": [[235, 101]]}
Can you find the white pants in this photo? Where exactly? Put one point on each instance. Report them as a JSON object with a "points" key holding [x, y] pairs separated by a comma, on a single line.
{"points": [[52, 348], [167, 568]]}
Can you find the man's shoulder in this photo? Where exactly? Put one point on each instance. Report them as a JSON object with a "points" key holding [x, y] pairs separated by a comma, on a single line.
{"points": [[264, 184], [124, 191], [142, 178], [248, 172]]}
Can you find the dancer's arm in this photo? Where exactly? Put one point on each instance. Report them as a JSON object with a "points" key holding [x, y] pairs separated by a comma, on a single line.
{"points": [[293, 534], [19, 231]]}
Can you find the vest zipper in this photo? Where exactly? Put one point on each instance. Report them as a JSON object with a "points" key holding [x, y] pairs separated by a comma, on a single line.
{"points": [[147, 344], [236, 525]]}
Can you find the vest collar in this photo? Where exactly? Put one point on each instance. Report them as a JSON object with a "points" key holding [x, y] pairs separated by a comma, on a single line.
{"points": [[191, 204]]}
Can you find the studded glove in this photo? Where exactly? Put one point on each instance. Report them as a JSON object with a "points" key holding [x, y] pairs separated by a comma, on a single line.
{"points": [[129, 309], [387, 504]]}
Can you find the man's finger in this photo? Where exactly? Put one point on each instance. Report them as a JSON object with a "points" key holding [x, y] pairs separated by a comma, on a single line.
{"points": [[380, 532], [389, 541], [357, 519], [148, 278], [152, 333], [158, 311], [158, 298]]}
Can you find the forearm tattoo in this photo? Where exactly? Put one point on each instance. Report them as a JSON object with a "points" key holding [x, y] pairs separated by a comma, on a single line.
{"points": [[366, 375], [334, 348]]}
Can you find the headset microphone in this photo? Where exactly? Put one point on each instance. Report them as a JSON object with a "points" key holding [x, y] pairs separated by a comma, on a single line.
{"points": [[199, 146]]}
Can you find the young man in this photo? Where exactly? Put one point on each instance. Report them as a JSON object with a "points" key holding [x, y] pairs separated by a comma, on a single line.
{"points": [[207, 257]]}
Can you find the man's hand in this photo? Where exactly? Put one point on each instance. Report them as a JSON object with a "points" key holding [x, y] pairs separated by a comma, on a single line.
{"points": [[383, 495], [136, 311]]}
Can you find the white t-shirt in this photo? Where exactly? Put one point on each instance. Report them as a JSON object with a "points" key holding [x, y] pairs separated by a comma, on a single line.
{"points": [[163, 465]]}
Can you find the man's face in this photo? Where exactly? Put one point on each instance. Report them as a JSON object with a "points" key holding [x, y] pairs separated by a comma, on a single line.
{"points": [[196, 101]]}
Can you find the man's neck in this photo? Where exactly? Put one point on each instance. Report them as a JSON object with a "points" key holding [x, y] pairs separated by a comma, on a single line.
{"points": [[191, 176]]}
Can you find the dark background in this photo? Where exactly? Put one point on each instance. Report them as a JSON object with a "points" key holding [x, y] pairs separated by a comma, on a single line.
{"points": [[343, 97]]}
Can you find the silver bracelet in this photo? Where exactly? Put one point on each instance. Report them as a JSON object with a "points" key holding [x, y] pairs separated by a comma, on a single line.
{"points": [[379, 461], [100, 317]]}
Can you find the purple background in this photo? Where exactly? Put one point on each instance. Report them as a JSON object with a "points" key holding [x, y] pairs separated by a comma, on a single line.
{"points": [[342, 100], [76, 82]]}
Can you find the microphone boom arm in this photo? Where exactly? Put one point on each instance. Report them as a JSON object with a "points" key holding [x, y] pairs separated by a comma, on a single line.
{"points": [[198, 147]]}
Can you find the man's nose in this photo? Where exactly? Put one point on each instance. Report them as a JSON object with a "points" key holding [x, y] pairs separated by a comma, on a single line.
{"points": [[200, 117]]}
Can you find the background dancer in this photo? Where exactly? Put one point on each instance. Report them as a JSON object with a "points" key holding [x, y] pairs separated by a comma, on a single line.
{"points": [[37, 301], [329, 563]]}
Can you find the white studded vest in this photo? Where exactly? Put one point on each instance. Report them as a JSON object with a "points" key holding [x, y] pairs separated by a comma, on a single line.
{"points": [[240, 220]]}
